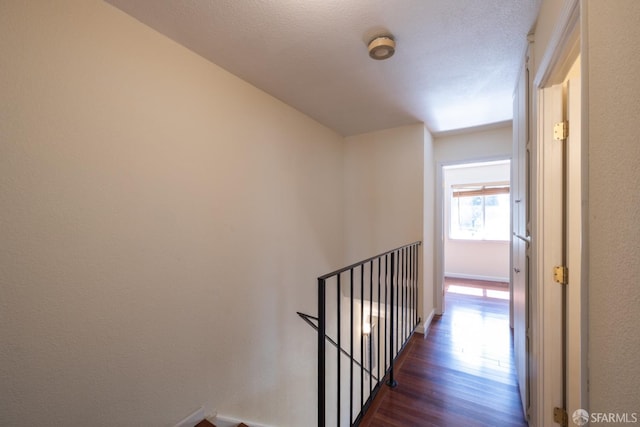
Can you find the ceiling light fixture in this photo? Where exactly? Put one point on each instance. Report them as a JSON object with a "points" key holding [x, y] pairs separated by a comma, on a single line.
{"points": [[382, 47]]}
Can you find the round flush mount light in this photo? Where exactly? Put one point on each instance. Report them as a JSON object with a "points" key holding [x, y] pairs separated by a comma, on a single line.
{"points": [[382, 47]]}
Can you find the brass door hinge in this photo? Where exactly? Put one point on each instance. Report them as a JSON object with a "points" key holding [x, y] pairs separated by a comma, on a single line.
{"points": [[561, 274], [561, 131], [560, 416]]}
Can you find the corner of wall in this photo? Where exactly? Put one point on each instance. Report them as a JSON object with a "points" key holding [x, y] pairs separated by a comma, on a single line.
{"points": [[428, 231]]}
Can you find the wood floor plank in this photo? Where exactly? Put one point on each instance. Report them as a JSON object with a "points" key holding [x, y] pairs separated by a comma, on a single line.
{"points": [[462, 373]]}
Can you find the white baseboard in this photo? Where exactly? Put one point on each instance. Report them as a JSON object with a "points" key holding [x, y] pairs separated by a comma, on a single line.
{"points": [[192, 419], [477, 277], [427, 323], [223, 421]]}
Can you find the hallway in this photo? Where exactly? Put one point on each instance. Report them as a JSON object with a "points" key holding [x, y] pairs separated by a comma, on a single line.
{"points": [[462, 373]]}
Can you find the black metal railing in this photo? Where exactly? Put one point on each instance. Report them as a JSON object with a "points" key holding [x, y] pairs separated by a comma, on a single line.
{"points": [[367, 312]]}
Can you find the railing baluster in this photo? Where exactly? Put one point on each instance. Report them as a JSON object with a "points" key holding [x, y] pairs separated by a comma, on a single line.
{"points": [[413, 289], [405, 319], [417, 279], [361, 335], [391, 382], [338, 382], [378, 328], [414, 302], [322, 331], [415, 285], [409, 292], [351, 351], [386, 308], [399, 303], [407, 299], [397, 292], [370, 335], [407, 295], [402, 301]]}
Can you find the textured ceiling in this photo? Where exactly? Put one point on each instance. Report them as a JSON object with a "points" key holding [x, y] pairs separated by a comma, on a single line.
{"points": [[455, 65]]}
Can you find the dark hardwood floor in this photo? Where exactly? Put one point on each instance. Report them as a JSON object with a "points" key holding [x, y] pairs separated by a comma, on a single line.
{"points": [[462, 373]]}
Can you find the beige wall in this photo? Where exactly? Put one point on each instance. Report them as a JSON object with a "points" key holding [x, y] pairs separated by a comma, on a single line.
{"points": [[385, 185], [162, 221], [613, 93], [383, 190], [429, 230]]}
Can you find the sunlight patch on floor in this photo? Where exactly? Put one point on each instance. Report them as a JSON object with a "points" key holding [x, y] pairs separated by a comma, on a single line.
{"points": [[478, 292], [497, 294], [466, 290]]}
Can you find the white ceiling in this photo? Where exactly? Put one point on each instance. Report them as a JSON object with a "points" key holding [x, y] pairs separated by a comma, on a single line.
{"points": [[455, 66]]}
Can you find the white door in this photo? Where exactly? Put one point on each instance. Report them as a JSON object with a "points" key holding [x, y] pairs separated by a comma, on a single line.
{"points": [[563, 323]]}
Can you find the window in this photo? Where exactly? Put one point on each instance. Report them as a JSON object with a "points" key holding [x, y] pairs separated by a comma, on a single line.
{"points": [[480, 212]]}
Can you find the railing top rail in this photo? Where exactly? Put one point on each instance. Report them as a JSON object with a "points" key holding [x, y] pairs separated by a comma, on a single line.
{"points": [[359, 263]]}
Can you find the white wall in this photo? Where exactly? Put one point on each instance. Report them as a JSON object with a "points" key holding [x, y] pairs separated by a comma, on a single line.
{"points": [[475, 259], [162, 221], [478, 144], [613, 92]]}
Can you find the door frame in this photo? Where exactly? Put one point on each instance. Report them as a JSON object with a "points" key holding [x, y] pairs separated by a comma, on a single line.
{"points": [[568, 41], [439, 222]]}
